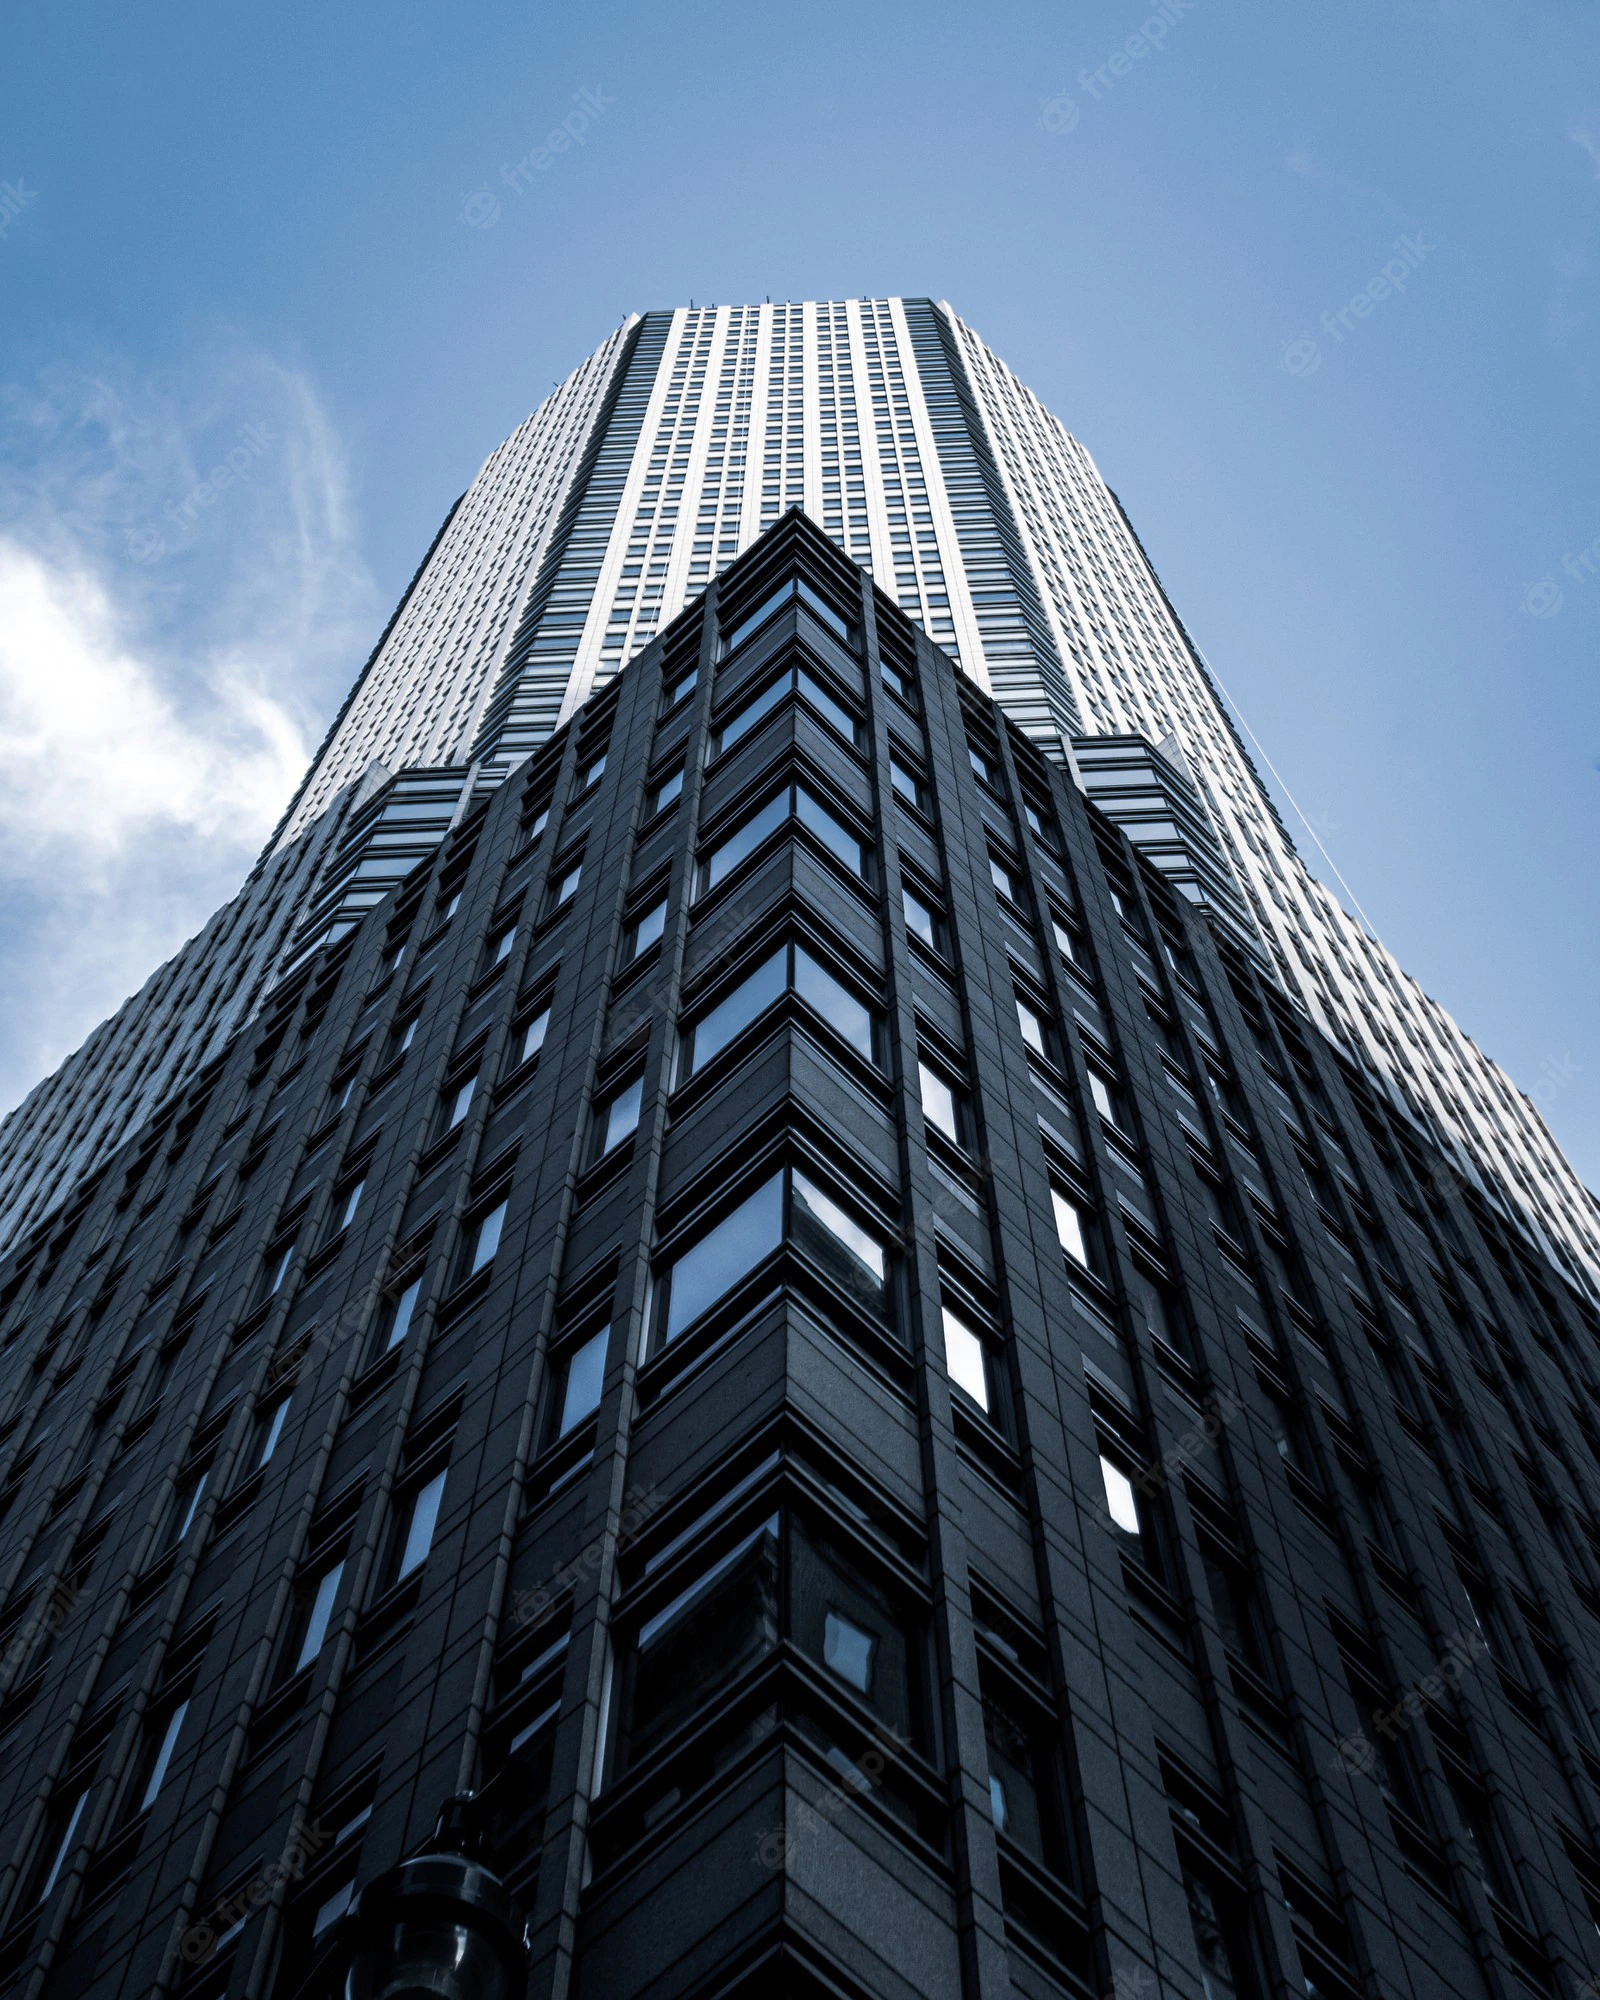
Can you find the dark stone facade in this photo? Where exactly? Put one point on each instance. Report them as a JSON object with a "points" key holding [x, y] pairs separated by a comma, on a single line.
{"points": [[915, 1430]]}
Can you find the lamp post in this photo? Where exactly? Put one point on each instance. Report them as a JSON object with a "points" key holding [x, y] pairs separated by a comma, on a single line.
{"points": [[439, 1926]]}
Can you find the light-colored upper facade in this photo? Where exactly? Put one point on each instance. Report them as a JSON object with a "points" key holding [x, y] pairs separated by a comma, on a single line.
{"points": [[689, 432]]}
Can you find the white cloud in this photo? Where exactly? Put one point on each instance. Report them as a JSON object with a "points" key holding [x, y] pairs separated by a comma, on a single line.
{"points": [[169, 648], [94, 753]]}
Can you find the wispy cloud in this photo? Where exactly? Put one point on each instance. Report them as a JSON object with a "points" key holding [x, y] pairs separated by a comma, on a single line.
{"points": [[156, 703], [1582, 134], [1301, 161]]}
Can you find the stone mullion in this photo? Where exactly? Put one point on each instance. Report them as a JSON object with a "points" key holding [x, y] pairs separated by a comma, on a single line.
{"points": [[590, 1661], [981, 1919]]}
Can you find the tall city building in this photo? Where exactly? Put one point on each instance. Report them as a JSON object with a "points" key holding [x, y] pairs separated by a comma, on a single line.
{"points": [[796, 1309], [666, 453]]}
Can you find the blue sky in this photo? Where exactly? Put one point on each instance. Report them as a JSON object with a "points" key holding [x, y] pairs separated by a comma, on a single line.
{"points": [[261, 231]]}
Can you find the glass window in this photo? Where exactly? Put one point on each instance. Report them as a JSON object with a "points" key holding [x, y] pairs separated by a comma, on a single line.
{"points": [[980, 765], [733, 1014], [723, 1256], [64, 1844], [832, 712], [1120, 1500], [842, 1011], [1004, 881], [1066, 942], [460, 1103], [567, 887], [848, 1651], [1069, 1227], [535, 826], [741, 724], [849, 1253], [964, 1358], [620, 1116], [648, 930], [163, 1757], [680, 688], [319, 1616], [404, 1307], [191, 1505], [533, 1035], [500, 946], [668, 789], [1017, 1791], [1100, 1091], [594, 773], [723, 859], [420, 1527], [272, 1429], [585, 1377], [711, 1632], [406, 1034], [352, 1201], [486, 1238], [1032, 1026], [907, 784], [920, 920], [938, 1102], [819, 821]]}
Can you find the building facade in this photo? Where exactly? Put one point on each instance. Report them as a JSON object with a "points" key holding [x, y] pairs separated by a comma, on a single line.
{"points": [[680, 440], [789, 1310]]}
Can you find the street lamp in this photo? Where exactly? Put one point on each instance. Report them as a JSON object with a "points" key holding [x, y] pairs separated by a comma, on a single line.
{"points": [[439, 1926]]}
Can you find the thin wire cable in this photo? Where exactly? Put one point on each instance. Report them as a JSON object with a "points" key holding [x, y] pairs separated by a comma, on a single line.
{"points": [[1371, 928]]}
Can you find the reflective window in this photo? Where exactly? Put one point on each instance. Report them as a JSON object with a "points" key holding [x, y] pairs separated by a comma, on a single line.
{"points": [[851, 1254], [1032, 1025], [486, 1238], [404, 1307], [964, 1358], [500, 946], [319, 1616], [920, 920], [648, 930], [533, 1035], [1121, 1502], [789, 967], [272, 1429], [668, 789], [620, 1117], [585, 1377], [167, 1744], [723, 859], [419, 1529], [818, 820], [733, 1014], [1004, 881], [847, 1651], [722, 1257], [1069, 1227], [460, 1103], [938, 1102], [799, 803]]}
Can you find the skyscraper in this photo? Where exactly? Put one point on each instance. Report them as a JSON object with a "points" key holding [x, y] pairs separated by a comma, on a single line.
{"points": [[796, 1309], [662, 456]]}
